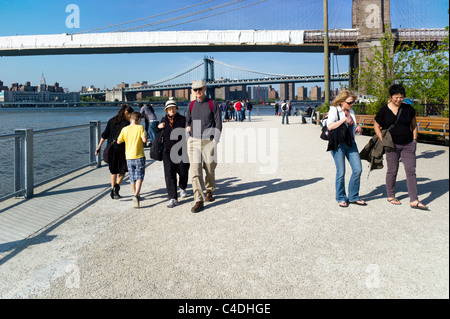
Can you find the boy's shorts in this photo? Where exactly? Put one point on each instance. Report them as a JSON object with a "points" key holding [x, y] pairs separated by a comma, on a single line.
{"points": [[136, 169]]}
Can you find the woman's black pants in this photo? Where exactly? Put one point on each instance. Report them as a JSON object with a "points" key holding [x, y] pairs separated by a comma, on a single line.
{"points": [[170, 173]]}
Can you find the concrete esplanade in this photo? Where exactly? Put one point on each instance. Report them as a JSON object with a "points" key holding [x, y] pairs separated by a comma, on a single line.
{"points": [[274, 230]]}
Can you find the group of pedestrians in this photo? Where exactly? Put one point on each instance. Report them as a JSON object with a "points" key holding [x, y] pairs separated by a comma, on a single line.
{"points": [[397, 121], [237, 111], [189, 147]]}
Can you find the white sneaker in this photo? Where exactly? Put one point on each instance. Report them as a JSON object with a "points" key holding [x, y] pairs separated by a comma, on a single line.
{"points": [[183, 193], [172, 203]]}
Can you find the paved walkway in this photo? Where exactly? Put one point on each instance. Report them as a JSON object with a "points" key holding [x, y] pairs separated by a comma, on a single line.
{"points": [[274, 230]]}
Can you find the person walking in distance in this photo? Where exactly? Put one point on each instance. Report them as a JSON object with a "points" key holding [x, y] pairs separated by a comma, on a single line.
{"points": [[249, 108], [204, 124], [151, 122], [284, 112]]}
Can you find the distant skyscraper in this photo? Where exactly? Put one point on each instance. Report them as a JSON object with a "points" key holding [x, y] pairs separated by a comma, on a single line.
{"points": [[258, 93], [287, 91], [43, 79], [42, 85], [302, 93], [316, 93]]}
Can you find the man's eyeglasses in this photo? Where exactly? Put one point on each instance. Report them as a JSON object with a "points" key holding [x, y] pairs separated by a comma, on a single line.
{"points": [[197, 90]]}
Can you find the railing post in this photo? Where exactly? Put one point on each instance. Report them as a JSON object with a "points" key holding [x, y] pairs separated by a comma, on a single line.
{"points": [[17, 171], [24, 173], [94, 138]]}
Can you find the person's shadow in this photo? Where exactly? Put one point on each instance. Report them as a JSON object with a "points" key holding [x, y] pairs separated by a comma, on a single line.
{"points": [[430, 154], [434, 189], [229, 189]]}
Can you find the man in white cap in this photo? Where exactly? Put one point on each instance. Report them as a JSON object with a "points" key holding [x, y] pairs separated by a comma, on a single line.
{"points": [[204, 124]]}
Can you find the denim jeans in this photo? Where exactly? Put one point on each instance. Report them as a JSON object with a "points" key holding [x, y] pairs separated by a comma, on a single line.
{"points": [[153, 130], [284, 114], [351, 153], [249, 115]]}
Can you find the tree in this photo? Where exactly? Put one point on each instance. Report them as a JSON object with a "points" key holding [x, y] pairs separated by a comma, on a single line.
{"points": [[423, 71]]}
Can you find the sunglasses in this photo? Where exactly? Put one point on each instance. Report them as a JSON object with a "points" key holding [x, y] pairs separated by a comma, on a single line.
{"points": [[350, 103], [197, 90]]}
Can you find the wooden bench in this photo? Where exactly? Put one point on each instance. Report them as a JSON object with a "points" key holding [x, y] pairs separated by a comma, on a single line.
{"points": [[425, 124], [365, 121], [432, 125]]}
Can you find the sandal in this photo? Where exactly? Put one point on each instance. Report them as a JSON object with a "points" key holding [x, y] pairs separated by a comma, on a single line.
{"points": [[343, 204], [419, 205], [394, 201], [360, 202]]}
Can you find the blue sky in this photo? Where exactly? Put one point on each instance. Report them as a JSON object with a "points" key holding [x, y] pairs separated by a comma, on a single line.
{"points": [[27, 17]]}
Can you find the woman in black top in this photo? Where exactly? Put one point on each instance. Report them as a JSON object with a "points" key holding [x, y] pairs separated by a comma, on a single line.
{"points": [[174, 162], [117, 161], [404, 135]]}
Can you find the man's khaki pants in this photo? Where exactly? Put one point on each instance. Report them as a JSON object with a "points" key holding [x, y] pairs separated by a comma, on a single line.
{"points": [[202, 155]]}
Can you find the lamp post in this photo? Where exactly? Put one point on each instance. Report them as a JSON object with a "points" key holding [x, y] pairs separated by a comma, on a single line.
{"points": [[326, 52]]}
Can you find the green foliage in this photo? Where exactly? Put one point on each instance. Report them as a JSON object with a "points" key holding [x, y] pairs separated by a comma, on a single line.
{"points": [[324, 108], [423, 71], [89, 99], [419, 108], [160, 99]]}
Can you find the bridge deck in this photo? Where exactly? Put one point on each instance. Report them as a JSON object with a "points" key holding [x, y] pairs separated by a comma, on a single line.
{"points": [[342, 41], [279, 235]]}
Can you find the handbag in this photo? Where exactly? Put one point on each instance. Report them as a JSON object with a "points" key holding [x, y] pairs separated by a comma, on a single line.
{"points": [[156, 150], [325, 134], [106, 153]]}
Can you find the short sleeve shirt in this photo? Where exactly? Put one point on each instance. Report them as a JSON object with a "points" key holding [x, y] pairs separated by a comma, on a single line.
{"points": [[401, 133], [132, 136]]}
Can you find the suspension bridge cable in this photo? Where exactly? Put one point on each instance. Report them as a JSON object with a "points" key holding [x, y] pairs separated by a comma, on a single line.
{"points": [[209, 16], [251, 71], [187, 15], [173, 77], [141, 19]]}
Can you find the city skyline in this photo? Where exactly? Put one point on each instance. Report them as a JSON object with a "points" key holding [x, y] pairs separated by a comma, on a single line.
{"points": [[107, 70]]}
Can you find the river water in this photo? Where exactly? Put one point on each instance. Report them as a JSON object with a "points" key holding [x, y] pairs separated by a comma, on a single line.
{"points": [[42, 118]]}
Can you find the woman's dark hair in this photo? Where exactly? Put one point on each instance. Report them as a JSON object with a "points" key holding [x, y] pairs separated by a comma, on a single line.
{"points": [[121, 114], [397, 89], [151, 108]]}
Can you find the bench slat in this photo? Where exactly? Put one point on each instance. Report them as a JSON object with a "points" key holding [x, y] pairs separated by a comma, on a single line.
{"points": [[425, 125]]}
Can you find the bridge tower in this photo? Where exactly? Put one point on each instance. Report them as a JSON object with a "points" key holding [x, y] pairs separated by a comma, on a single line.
{"points": [[370, 17], [209, 75]]}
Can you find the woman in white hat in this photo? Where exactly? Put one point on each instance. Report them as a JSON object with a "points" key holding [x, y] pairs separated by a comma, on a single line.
{"points": [[178, 162]]}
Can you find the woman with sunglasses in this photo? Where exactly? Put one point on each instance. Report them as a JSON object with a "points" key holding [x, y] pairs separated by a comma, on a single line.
{"points": [[343, 114]]}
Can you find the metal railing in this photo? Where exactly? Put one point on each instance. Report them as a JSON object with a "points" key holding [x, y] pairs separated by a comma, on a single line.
{"points": [[26, 150]]}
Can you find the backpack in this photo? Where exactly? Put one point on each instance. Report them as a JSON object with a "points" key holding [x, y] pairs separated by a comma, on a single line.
{"points": [[284, 107], [211, 105]]}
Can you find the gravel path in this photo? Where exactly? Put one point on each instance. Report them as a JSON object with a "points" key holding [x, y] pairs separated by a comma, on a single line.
{"points": [[274, 231]]}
